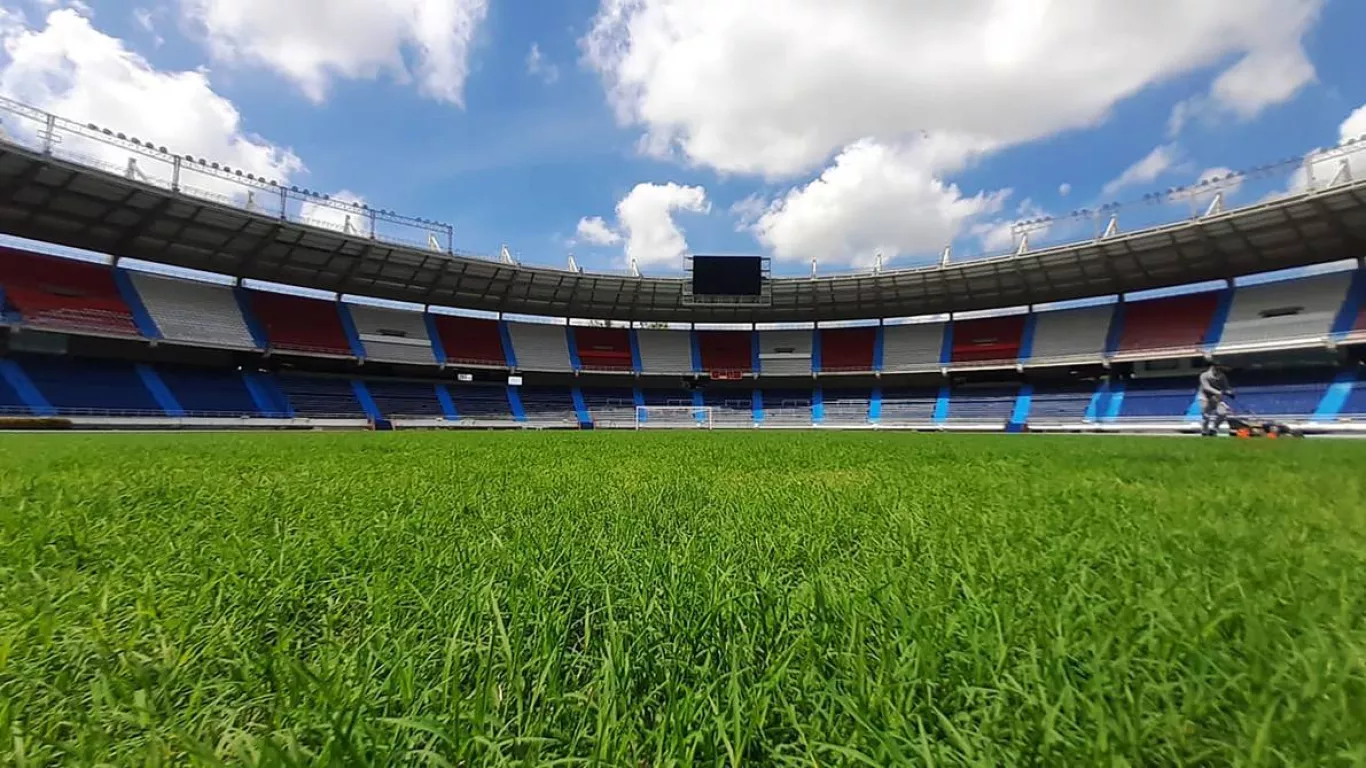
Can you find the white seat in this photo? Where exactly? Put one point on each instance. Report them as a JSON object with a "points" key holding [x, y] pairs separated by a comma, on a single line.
{"points": [[1284, 313], [1071, 334], [195, 312], [785, 353], [391, 335], [540, 347], [664, 351], [913, 347]]}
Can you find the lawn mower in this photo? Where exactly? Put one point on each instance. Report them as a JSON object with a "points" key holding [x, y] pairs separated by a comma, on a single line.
{"points": [[1247, 424]]}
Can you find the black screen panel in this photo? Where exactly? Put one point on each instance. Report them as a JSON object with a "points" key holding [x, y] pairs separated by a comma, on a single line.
{"points": [[727, 275]]}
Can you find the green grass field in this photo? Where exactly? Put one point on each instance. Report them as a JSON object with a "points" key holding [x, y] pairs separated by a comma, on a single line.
{"points": [[654, 599]]}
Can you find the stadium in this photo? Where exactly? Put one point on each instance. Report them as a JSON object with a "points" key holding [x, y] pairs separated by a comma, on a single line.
{"points": [[785, 592]]}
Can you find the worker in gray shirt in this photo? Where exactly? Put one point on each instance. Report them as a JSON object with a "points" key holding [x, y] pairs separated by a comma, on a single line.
{"points": [[1214, 391]]}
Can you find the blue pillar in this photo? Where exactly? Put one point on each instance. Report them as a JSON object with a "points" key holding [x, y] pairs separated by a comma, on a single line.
{"points": [[1351, 306], [349, 326], [269, 399], [258, 331], [1116, 332], [508, 351], [19, 381], [1020, 416], [756, 362], [941, 405], [757, 406], [696, 345], [443, 396], [141, 317], [946, 348], [877, 347], [1027, 337], [1216, 324], [1100, 400], [1336, 395], [367, 403], [574, 363], [817, 406], [580, 407], [638, 396], [160, 392], [1115, 405], [434, 335], [635, 351], [515, 403], [815, 350], [875, 399]]}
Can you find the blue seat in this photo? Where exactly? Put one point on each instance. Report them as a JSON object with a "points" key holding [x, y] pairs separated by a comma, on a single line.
{"points": [[477, 402], [1061, 401], [321, 397], [405, 398], [208, 391], [1280, 393], [1165, 398], [985, 404], [77, 386]]}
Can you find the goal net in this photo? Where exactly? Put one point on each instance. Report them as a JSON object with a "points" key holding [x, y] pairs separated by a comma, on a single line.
{"points": [[673, 417]]}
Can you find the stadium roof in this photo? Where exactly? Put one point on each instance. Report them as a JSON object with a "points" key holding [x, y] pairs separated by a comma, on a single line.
{"points": [[47, 198]]}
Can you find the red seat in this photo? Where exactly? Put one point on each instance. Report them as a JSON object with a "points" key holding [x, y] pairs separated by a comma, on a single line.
{"points": [[726, 350], [470, 340], [605, 349], [848, 349], [1174, 322], [64, 294], [988, 339], [300, 324]]}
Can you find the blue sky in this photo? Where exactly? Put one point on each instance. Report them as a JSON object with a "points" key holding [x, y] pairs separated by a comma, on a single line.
{"points": [[919, 144]]}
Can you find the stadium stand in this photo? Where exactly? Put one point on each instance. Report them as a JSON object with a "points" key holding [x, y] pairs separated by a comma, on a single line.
{"points": [[1289, 394], [538, 347], [1166, 398], [988, 340], [194, 312], [787, 407], [730, 408], [1071, 335], [1174, 325], [549, 405], [726, 351], [64, 294], [81, 386], [846, 407], [913, 347], [847, 349], [785, 353], [986, 405], [1354, 407], [481, 404], [10, 401], [398, 399], [610, 407], [1285, 313], [664, 351], [470, 341], [908, 406], [1062, 402], [300, 324], [603, 349], [321, 397], [210, 391], [392, 336]]}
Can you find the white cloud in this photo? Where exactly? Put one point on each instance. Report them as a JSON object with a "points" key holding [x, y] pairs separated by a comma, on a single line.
{"points": [[69, 68], [645, 223], [537, 66], [595, 231], [1145, 171], [312, 42], [646, 216], [770, 87], [999, 235], [874, 199], [1353, 128], [342, 213], [1064, 189]]}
